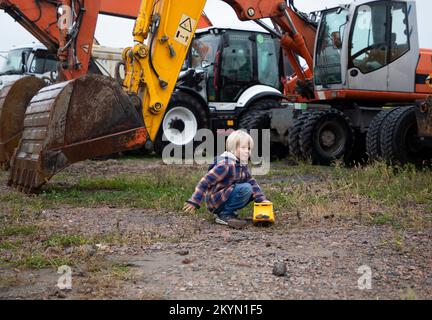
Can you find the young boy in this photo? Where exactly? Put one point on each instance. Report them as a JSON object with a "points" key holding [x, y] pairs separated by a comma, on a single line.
{"points": [[228, 185]]}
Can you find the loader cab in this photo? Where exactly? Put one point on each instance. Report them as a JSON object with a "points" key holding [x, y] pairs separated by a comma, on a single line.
{"points": [[36, 61], [15, 62], [42, 62], [227, 74], [235, 60], [369, 46], [29, 60]]}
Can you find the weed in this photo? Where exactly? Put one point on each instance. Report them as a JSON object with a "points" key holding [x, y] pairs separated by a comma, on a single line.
{"points": [[16, 230], [59, 240], [408, 294]]}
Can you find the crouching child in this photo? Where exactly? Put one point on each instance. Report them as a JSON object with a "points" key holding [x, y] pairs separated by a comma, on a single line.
{"points": [[228, 185]]}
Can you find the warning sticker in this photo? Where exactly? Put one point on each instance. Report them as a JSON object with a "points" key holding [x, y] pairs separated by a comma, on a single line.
{"points": [[184, 30]]}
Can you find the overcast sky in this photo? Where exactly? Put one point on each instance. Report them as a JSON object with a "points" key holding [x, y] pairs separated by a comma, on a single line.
{"points": [[116, 32]]}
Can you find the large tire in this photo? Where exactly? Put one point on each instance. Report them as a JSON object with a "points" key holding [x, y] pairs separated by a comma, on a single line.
{"points": [[326, 136], [294, 136], [373, 136], [256, 119], [258, 116], [181, 109], [399, 141], [358, 155]]}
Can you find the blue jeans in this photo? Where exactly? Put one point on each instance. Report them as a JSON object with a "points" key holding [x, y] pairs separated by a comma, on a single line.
{"points": [[239, 198]]}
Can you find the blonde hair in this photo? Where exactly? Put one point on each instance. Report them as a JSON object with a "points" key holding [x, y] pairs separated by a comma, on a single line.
{"points": [[235, 138]]}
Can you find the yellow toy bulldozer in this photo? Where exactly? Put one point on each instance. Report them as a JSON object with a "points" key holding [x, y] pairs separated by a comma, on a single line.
{"points": [[263, 214]]}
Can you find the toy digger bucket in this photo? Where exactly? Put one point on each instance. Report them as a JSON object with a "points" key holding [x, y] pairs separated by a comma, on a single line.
{"points": [[14, 98], [72, 121], [263, 214]]}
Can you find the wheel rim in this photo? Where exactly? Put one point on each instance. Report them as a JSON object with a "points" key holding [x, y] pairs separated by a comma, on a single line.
{"points": [[180, 125], [331, 138]]}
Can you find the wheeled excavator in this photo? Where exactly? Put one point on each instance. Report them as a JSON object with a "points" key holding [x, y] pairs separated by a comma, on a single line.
{"points": [[66, 29], [358, 55]]}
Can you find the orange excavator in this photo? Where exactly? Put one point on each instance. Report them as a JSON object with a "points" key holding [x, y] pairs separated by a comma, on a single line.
{"points": [[66, 28], [359, 58]]}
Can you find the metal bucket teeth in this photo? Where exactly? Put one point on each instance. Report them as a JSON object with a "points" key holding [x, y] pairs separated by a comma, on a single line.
{"points": [[70, 122], [14, 98]]}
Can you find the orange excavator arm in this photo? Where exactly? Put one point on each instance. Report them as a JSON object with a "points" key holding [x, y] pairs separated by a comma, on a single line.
{"points": [[204, 22], [68, 26], [65, 26], [129, 9], [296, 33]]}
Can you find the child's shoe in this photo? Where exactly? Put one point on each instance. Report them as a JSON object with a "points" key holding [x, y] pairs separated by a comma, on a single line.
{"points": [[231, 221]]}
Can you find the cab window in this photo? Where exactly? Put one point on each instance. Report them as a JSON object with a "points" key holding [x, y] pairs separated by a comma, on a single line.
{"points": [[374, 42], [268, 69], [43, 63]]}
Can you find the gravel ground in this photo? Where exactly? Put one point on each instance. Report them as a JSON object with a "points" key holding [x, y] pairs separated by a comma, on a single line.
{"points": [[174, 256]]}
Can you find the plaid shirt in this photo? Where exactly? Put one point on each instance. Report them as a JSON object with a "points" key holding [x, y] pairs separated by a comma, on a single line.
{"points": [[220, 180]]}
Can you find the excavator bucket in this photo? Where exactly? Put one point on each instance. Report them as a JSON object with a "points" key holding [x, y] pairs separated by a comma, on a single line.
{"points": [[14, 98], [72, 121]]}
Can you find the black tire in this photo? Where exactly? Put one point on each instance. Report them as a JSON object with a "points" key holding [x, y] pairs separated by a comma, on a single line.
{"points": [[331, 121], [258, 116], [358, 155], [399, 141], [190, 103], [256, 119], [294, 136], [373, 136]]}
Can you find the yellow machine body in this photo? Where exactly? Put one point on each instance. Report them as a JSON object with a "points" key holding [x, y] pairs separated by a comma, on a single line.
{"points": [[152, 66]]}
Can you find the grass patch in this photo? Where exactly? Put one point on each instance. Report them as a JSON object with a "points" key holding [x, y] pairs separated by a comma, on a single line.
{"points": [[121, 271], [404, 194], [383, 219], [17, 230], [59, 240], [10, 245], [408, 294], [151, 191], [39, 261]]}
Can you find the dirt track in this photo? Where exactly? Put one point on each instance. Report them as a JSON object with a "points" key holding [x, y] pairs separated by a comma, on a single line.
{"points": [[170, 255]]}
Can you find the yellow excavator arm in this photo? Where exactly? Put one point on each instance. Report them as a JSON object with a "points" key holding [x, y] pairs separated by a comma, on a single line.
{"points": [[163, 33]]}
